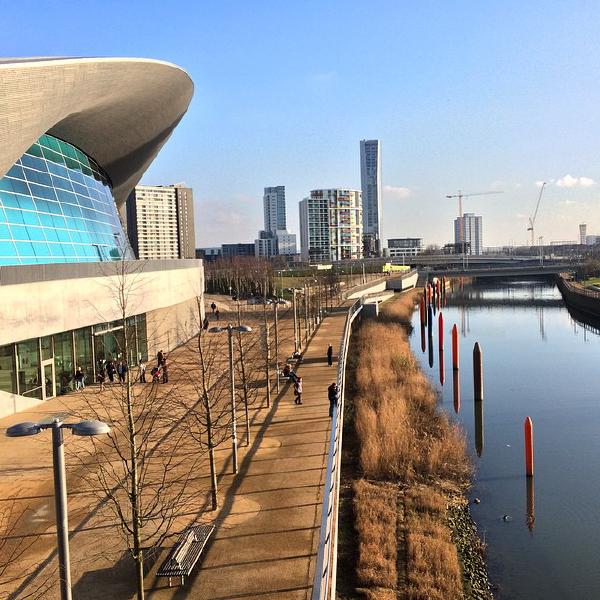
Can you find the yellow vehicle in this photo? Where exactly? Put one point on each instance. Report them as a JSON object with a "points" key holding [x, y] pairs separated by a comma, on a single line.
{"points": [[389, 268]]}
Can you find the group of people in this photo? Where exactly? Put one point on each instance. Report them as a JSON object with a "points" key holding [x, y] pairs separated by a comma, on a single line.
{"points": [[160, 371], [215, 311], [109, 369], [332, 390]]}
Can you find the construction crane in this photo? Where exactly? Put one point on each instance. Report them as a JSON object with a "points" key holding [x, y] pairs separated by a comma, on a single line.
{"points": [[532, 219], [460, 197]]}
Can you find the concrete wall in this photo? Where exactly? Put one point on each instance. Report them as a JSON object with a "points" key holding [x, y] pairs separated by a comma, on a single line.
{"points": [[56, 298], [171, 326]]}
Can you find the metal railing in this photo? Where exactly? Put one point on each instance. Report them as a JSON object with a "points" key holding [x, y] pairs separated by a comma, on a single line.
{"points": [[325, 571]]}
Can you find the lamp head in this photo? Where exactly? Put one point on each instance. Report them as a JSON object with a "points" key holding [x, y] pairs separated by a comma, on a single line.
{"points": [[88, 428], [23, 429]]}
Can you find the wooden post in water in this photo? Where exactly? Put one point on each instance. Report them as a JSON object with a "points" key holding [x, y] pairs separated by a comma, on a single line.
{"points": [[455, 360], [528, 426], [422, 312], [441, 332], [442, 369], [477, 372]]}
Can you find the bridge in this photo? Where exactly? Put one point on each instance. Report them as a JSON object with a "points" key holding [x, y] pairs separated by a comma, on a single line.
{"points": [[539, 270]]}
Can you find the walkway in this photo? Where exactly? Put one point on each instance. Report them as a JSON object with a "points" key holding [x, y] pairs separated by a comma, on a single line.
{"points": [[268, 532]]}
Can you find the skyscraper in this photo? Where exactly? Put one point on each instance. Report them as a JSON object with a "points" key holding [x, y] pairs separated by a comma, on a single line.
{"points": [[274, 207], [331, 225], [275, 238], [582, 233], [370, 181], [160, 222], [468, 235]]}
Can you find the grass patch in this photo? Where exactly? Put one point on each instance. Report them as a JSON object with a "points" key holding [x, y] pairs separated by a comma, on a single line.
{"points": [[375, 522], [407, 452]]}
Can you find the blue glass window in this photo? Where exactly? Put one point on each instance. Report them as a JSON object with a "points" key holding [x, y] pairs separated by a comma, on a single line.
{"points": [[56, 205]]}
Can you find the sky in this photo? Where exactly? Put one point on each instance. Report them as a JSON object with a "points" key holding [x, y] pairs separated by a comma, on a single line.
{"points": [[464, 95]]}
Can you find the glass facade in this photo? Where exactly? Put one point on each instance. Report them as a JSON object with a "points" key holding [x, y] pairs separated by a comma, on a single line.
{"points": [[44, 367], [56, 206]]}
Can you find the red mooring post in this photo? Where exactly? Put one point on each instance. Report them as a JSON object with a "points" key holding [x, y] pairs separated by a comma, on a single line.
{"points": [[422, 312], [528, 425], [455, 347], [477, 372], [441, 332]]}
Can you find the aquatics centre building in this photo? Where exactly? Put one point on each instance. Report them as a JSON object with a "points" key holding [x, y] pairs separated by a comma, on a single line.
{"points": [[76, 136]]}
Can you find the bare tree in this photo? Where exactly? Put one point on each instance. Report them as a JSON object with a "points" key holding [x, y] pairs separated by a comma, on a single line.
{"points": [[144, 466]]}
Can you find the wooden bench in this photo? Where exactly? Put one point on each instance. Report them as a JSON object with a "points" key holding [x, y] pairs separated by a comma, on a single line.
{"points": [[185, 553]]}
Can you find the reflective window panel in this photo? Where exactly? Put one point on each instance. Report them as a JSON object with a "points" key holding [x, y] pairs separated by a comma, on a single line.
{"points": [[8, 380], [56, 206]]}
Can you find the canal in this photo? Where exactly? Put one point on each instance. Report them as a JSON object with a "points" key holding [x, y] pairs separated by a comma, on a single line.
{"points": [[543, 539]]}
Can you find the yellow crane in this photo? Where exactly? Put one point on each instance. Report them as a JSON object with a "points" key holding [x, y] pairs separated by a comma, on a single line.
{"points": [[532, 219], [460, 197]]}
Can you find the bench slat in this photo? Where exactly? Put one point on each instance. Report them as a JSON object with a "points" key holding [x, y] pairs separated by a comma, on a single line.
{"points": [[188, 550]]}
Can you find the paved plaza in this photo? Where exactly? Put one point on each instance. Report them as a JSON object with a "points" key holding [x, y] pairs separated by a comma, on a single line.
{"points": [[267, 524]]}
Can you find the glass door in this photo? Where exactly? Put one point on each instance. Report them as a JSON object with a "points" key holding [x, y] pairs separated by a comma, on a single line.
{"points": [[48, 387]]}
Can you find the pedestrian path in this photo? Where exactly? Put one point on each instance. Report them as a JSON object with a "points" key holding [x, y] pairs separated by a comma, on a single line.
{"points": [[268, 526]]}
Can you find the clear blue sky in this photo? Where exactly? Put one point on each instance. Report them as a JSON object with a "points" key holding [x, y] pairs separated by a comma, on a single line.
{"points": [[472, 95]]}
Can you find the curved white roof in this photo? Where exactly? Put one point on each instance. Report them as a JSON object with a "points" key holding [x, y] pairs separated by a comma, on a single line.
{"points": [[119, 111]]}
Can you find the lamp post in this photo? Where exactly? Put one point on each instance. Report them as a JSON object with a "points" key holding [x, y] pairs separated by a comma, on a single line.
{"points": [[293, 290], [230, 329], [275, 305], [83, 428]]}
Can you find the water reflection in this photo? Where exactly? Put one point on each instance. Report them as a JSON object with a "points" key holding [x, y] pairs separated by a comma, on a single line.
{"points": [[530, 503], [478, 404], [423, 338], [456, 390]]}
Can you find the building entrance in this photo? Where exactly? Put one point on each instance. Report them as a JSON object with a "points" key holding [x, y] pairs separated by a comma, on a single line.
{"points": [[48, 381]]}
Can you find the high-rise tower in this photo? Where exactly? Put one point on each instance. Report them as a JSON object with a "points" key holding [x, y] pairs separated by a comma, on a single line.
{"points": [[370, 181], [274, 207]]}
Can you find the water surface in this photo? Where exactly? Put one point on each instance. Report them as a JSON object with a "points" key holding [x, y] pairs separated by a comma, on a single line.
{"points": [[539, 361]]}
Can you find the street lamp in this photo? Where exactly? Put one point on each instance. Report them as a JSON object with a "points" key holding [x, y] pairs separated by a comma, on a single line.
{"points": [[230, 329], [83, 428]]}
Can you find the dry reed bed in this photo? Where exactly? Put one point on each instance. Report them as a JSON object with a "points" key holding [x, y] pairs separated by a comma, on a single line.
{"points": [[408, 451]]}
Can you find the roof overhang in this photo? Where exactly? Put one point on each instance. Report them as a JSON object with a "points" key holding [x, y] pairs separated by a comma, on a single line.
{"points": [[119, 111]]}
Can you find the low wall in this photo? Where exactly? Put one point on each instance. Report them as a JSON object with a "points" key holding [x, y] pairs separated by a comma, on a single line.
{"points": [[575, 295], [49, 299]]}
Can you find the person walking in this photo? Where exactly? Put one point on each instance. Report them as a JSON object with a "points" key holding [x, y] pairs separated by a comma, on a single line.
{"points": [[333, 394], [159, 358], [110, 370], [217, 314], [101, 378], [298, 391], [120, 373], [213, 307], [165, 372], [142, 366], [79, 379], [330, 355], [205, 323]]}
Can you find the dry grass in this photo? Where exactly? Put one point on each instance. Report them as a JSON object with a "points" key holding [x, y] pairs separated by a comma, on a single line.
{"points": [[403, 438], [401, 433], [375, 522], [434, 570]]}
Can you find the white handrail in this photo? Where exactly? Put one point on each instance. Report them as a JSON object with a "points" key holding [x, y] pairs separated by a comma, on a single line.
{"points": [[325, 571]]}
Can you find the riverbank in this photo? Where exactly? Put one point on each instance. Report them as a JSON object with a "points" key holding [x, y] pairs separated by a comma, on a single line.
{"points": [[578, 297], [405, 526]]}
